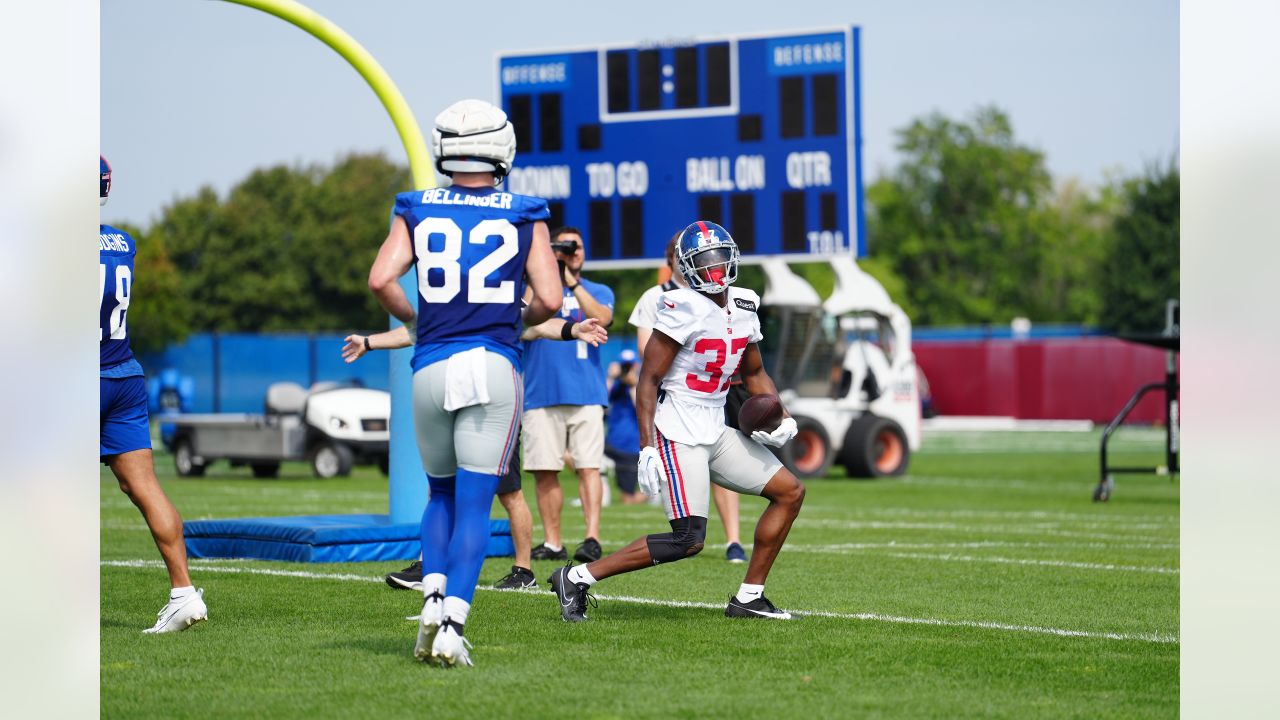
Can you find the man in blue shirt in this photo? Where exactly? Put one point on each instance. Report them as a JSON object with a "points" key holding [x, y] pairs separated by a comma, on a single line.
{"points": [[564, 402], [124, 426]]}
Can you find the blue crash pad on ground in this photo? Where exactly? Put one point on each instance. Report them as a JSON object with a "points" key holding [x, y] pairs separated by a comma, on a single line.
{"points": [[320, 538]]}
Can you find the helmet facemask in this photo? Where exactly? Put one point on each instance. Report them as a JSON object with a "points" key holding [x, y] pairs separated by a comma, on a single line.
{"points": [[711, 269]]}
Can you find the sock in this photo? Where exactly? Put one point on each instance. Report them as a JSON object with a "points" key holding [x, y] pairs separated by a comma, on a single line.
{"points": [[437, 524], [433, 582], [748, 592], [181, 592], [557, 548], [580, 575], [455, 612], [473, 498]]}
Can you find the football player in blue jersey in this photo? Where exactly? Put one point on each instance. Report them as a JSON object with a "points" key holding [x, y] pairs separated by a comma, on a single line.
{"points": [[473, 246], [124, 430]]}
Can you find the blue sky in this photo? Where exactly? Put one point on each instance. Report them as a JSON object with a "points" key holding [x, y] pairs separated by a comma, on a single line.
{"points": [[198, 92]]}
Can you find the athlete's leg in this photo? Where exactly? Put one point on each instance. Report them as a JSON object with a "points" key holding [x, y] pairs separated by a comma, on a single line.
{"points": [[434, 428], [685, 540], [685, 495], [745, 466], [484, 437], [137, 477], [785, 494]]}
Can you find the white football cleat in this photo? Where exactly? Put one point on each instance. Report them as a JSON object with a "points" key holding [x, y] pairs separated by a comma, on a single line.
{"points": [[429, 625], [180, 613], [449, 648]]}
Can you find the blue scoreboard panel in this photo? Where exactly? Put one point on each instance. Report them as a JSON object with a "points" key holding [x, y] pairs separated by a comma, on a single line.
{"points": [[761, 134]]}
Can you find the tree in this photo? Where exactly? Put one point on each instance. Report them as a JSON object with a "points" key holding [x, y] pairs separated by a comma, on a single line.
{"points": [[289, 248], [962, 219], [158, 317], [1141, 269]]}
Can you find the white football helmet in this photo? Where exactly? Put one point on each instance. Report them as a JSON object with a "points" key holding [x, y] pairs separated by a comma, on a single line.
{"points": [[473, 136]]}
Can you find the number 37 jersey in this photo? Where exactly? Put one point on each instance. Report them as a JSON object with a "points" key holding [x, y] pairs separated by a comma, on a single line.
{"points": [[713, 340]]}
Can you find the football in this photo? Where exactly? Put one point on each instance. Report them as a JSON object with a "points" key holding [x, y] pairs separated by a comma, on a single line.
{"points": [[760, 412]]}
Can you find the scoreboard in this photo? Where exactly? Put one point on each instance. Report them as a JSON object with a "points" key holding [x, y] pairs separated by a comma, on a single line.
{"points": [[759, 133]]}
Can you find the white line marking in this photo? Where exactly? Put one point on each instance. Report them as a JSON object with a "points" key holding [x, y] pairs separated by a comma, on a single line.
{"points": [[1028, 561], [1160, 638]]}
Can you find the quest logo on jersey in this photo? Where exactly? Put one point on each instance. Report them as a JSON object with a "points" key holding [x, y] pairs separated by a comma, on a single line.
{"points": [[745, 304]]}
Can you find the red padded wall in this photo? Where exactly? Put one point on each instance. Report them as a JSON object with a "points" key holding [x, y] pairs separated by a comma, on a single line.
{"points": [[1051, 379]]}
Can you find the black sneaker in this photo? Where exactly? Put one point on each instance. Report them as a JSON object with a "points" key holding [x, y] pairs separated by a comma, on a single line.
{"points": [[573, 597], [518, 579], [758, 608], [409, 578], [542, 552], [588, 551]]}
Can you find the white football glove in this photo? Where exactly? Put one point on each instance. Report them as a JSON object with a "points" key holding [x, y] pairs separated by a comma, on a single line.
{"points": [[786, 430], [648, 471]]}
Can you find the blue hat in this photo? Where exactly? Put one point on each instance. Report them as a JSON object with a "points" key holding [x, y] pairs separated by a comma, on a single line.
{"points": [[627, 356]]}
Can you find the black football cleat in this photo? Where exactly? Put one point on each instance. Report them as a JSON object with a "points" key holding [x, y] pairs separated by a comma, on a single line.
{"points": [[542, 552], [589, 551], [518, 579], [758, 608], [573, 597], [409, 578]]}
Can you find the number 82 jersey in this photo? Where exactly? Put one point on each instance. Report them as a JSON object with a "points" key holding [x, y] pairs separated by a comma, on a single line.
{"points": [[713, 340]]}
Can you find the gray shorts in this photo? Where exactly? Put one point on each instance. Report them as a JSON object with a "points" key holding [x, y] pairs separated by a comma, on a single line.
{"points": [[479, 438], [734, 461]]}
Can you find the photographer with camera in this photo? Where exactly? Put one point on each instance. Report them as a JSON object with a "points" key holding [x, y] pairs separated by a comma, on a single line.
{"points": [[564, 401]]}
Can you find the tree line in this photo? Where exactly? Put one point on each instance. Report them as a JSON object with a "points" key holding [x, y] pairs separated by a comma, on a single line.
{"points": [[968, 228]]}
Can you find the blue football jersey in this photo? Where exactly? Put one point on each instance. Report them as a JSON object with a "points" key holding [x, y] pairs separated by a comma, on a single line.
{"points": [[115, 281], [469, 247]]}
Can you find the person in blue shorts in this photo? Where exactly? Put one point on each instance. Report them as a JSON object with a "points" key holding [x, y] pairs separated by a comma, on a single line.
{"points": [[124, 429], [475, 247]]}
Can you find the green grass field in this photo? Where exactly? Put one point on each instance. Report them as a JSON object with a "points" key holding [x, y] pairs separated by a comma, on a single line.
{"points": [[985, 583]]}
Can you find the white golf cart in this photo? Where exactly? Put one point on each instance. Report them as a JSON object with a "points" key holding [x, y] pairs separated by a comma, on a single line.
{"points": [[845, 371], [331, 426]]}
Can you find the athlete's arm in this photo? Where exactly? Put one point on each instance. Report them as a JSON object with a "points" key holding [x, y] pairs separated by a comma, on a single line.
{"points": [[544, 278], [395, 257], [753, 375], [658, 355]]}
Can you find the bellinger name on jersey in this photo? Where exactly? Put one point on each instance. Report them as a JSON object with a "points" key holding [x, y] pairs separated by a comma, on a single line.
{"points": [[444, 196]]}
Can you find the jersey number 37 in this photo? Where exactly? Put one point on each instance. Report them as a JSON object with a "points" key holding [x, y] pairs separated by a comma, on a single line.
{"points": [[715, 366], [447, 260]]}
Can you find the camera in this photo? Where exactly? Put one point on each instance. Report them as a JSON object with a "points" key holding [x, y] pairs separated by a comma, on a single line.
{"points": [[565, 247]]}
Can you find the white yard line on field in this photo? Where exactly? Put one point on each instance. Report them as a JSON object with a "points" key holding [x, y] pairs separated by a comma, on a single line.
{"points": [[1031, 561], [1160, 638], [840, 548]]}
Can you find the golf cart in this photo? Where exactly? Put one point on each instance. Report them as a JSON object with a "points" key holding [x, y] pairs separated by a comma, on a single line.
{"points": [[844, 370], [331, 426]]}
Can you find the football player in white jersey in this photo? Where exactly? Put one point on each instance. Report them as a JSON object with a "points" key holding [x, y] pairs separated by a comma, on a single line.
{"points": [[704, 334]]}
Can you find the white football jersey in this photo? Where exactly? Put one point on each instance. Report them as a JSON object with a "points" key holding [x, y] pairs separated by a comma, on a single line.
{"points": [[713, 340]]}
